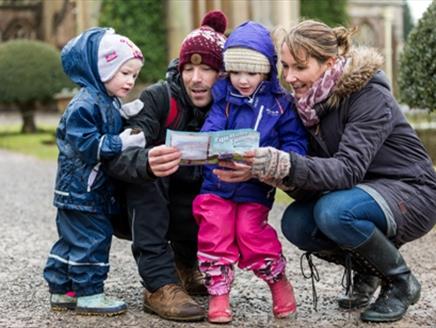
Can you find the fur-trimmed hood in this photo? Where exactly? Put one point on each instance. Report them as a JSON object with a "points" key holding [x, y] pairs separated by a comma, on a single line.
{"points": [[361, 66]]}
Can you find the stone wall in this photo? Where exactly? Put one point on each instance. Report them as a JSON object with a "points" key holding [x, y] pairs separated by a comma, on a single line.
{"points": [[52, 21]]}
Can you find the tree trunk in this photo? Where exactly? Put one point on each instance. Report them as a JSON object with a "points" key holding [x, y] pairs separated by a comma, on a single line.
{"points": [[28, 115]]}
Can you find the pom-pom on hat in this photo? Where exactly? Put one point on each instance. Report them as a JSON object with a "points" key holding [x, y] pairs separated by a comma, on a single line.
{"points": [[245, 60], [115, 50], [205, 44]]}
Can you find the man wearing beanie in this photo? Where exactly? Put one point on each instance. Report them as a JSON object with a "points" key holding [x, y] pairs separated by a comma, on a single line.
{"points": [[159, 193]]}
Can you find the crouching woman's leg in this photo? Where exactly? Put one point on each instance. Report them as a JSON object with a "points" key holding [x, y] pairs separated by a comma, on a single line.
{"points": [[355, 221], [300, 228]]}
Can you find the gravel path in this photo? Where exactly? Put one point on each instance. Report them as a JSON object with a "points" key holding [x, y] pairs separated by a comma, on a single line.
{"points": [[28, 231]]}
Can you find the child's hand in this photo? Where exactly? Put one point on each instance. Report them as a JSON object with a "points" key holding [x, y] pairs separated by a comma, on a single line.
{"points": [[236, 172], [131, 140], [249, 157]]}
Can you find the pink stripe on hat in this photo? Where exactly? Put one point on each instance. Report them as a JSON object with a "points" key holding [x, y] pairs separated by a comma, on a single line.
{"points": [[115, 50]]}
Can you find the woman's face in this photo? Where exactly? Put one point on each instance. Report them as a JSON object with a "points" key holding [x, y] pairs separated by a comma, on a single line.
{"points": [[301, 76]]}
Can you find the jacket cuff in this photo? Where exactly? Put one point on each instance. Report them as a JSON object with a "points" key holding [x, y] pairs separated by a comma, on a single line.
{"points": [[296, 176]]}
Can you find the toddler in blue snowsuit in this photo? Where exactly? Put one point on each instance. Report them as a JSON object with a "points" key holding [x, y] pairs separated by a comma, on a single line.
{"points": [[105, 65]]}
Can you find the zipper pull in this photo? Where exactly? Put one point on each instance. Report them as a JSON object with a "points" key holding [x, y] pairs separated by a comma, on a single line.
{"points": [[259, 117]]}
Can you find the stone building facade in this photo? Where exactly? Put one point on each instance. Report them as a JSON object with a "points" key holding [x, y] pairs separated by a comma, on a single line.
{"points": [[185, 15], [52, 21], [380, 22], [57, 21]]}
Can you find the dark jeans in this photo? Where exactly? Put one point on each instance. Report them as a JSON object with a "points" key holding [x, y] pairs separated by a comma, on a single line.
{"points": [[160, 214], [345, 218]]}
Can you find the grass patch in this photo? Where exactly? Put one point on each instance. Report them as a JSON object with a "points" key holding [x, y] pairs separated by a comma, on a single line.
{"points": [[41, 144], [282, 197]]}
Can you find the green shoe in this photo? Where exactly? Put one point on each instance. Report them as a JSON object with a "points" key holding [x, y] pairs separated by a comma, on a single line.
{"points": [[62, 302], [99, 304]]}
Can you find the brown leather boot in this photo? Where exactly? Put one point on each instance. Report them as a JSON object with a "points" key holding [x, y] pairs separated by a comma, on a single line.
{"points": [[191, 279], [171, 302]]}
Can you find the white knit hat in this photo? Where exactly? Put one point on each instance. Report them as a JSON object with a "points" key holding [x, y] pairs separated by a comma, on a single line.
{"points": [[115, 50], [246, 60]]}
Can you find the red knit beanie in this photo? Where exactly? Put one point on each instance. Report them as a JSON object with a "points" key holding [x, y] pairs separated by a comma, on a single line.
{"points": [[205, 44]]}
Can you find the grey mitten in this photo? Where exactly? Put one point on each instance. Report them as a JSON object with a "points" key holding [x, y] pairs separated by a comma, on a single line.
{"points": [[132, 140], [271, 164]]}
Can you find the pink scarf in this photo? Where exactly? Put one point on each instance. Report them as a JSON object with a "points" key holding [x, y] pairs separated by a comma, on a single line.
{"points": [[319, 91]]}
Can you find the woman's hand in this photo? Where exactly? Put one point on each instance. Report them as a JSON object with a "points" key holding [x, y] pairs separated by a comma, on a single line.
{"points": [[268, 163], [236, 172], [163, 160]]}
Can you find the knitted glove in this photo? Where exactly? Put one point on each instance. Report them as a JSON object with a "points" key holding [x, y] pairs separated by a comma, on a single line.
{"points": [[131, 109], [132, 140], [271, 164]]}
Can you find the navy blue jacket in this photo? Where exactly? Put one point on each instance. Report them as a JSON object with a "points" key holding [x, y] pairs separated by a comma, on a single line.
{"points": [[87, 132]]}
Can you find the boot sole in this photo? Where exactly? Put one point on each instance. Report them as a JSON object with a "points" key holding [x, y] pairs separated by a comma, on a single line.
{"points": [[93, 312], [149, 310], [381, 319], [62, 307], [289, 315], [220, 320]]}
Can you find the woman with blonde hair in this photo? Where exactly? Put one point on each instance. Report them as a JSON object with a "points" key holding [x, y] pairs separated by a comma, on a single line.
{"points": [[367, 185]]}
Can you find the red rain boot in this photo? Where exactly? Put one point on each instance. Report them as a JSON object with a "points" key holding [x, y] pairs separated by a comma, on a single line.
{"points": [[219, 309], [283, 298]]}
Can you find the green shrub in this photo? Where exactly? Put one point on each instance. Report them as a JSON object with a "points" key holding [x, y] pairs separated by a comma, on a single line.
{"points": [[30, 71], [417, 82], [330, 12], [144, 23]]}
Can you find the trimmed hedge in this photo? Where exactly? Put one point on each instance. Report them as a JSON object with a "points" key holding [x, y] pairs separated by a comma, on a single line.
{"points": [[330, 12], [30, 71], [417, 78]]}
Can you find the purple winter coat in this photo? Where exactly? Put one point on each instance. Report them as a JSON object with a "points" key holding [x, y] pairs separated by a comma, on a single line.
{"points": [[279, 125]]}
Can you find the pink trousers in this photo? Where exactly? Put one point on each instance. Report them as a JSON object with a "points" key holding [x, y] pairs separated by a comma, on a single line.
{"points": [[231, 233]]}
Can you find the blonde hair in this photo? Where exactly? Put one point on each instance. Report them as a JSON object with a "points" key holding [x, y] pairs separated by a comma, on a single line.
{"points": [[317, 40]]}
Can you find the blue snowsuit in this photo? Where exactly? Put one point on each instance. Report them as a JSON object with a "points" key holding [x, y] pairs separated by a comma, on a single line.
{"points": [[269, 107], [84, 195]]}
